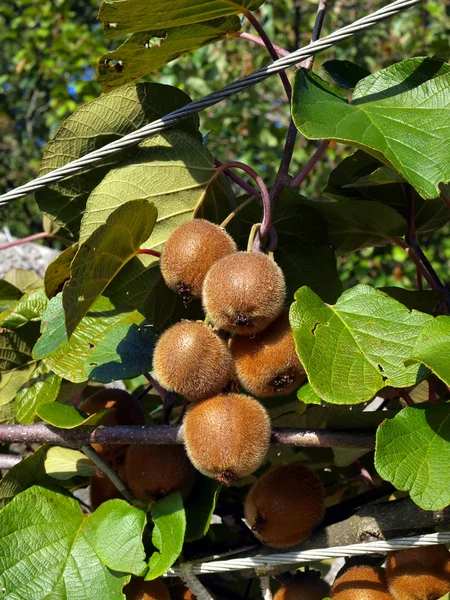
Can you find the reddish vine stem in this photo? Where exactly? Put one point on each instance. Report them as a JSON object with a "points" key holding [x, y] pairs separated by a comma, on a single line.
{"points": [[273, 53], [151, 252], [30, 238], [411, 234], [445, 199], [257, 40], [170, 434], [247, 187], [310, 164], [412, 254]]}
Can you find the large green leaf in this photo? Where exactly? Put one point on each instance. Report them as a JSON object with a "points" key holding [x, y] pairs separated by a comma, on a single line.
{"points": [[47, 551], [345, 73], [43, 386], [69, 360], [358, 346], [30, 471], [125, 352], [9, 295], [64, 463], [413, 453], [58, 271], [15, 348], [23, 280], [146, 51], [172, 170], [29, 308], [92, 126], [100, 258], [118, 537], [68, 417], [407, 101], [129, 16], [168, 534], [12, 381], [432, 347]]}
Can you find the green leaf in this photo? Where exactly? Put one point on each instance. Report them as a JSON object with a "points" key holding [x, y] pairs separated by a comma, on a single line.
{"points": [[307, 395], [426, 300], [91, 127], [413, 453], [147, 51], [356, 347], [131, 16], [200, 507], [30, 308], [68, 417], [100, 258], [125, 352], [345, 73], [12, 381], [15, 348], [47, 551], [168, 534], [9, 295], [174, 171], [432, 347], [408, 100], [23, 280], [352, 225], [70, 358], [118, 537], [58, 271], [28, 472], [42, 387], [64, 463]]}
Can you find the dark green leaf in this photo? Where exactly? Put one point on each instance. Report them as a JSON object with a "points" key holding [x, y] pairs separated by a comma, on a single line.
{"points": [[408, 100], [58, 271], [413, 453], [356, 347], [168, 534], [68, 417], [118, 537], [15, 348], [345, 73], [9, 295], [30, 308], [200, 507], [28, 472], [432, 347], [426, 301], [42, 387]]}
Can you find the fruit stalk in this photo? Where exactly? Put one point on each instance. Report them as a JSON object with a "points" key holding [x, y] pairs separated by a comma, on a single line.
{"points": [[101, 463]]}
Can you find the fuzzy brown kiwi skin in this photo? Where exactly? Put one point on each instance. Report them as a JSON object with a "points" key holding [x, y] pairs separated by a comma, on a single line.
{"points": [[285, 506], [127, 411], [181, 592], [267, 363], [361, 583], [138, 589], [244, 292], [303, 590], [227, 436], [102, 488], [419, 573], [191, 360], [190, 252], [153, 472]]}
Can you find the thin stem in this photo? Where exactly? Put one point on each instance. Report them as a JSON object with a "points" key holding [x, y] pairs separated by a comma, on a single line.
{"points": [[108, 470], [265, 588], [8, 461], [310, 164], [156, 385], [169, 434], [247, 187], [411, 233], [251, 238], [273, 53], [237, 210], [412, 254], [151, 252], [406, 397], [432, 398], [168, 398], [445, 199], [257, 40], [321, 10], [26, 240]]}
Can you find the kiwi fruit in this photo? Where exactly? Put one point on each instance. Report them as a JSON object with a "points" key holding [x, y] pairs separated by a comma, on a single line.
{"points": [[191, 360], [127, 411], [419, 573], [285, 505], [103, 489], [154, 471], [190, 252], [227, 436], [181, 592], [361, 583], [138, 589], [303, 589], [244, 292], [267, 363]]}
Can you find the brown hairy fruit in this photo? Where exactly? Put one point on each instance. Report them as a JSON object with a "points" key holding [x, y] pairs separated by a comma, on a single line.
{"points": [[127, 411], [138, 589], [181, 592], [227, 436], [361, 583], [103, 489], [303, 590], [285, 506], [190, 252], [419, 573], [153, 472], [267, 363], [244, 292], [192, 360]]}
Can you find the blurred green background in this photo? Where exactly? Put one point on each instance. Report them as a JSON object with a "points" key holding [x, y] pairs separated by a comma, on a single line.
{"points": [[48, 54]]}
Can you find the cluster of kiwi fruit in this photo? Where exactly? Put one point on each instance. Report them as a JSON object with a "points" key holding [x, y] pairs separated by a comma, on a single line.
{"points": [[413, 574]]}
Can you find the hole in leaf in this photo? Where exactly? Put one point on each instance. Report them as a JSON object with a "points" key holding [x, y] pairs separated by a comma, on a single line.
{"points": [[313, 330], [383, 377], [156, 40], [93, 364], [90, 345], [117, 65]]}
